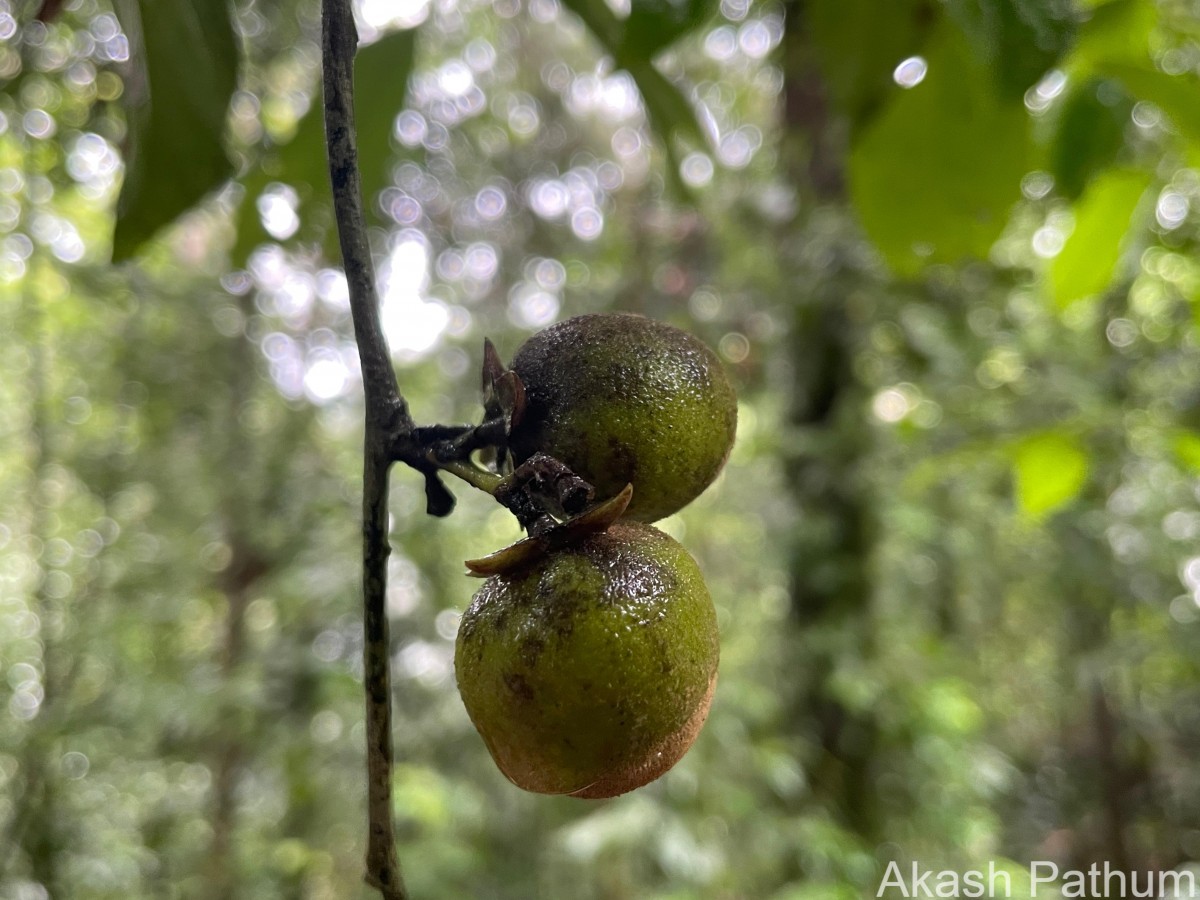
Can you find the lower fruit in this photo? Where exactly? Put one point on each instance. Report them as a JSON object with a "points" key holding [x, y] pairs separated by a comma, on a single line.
{"points": [[590, 671]]}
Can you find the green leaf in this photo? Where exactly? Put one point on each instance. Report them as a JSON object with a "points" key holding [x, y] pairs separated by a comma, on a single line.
{"points": [[381, 72], [1090, 257], [1049, 471], [601, 21], [670, 113], [653, 25], [1178, 96], [1187, 448], [1089, 134], [935, 175], [856, 62], [1118, 31], [1018, 40], [1115, 43], [187, 63]]}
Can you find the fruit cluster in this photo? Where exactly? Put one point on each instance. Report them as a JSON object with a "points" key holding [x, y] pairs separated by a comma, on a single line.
{"points": [[588, 659]]}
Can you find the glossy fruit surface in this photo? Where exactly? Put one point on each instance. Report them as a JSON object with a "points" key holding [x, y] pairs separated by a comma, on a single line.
{"points": [[590, 671], [622, 400]]}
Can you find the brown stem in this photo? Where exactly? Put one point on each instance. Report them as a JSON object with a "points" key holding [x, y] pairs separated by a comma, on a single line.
{"points": [[386, 415], [339, 44]]}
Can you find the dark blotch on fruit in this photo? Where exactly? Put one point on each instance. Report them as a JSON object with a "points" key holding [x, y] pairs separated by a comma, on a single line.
{"points": [[519, 686]]}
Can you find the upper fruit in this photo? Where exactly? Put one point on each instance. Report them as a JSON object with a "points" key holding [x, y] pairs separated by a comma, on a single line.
{"points": [[590, 671], [623, 399]]}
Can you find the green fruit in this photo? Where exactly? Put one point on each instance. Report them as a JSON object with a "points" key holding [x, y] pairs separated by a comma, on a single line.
{"points": [[622, 400], [590, 671]]}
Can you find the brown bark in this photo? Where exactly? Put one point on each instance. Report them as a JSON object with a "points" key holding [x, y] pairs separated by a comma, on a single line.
{"points": [[386, 414]]}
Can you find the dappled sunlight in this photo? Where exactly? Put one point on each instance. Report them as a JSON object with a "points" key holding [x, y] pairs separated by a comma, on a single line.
{"points": [[411, 322]]}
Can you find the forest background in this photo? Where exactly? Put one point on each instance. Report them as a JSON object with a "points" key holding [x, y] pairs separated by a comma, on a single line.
{"points": [[947, 250]]}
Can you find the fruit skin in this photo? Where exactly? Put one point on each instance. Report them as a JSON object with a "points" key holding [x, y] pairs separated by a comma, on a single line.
{"points": [[623, 399], [590, 671]]}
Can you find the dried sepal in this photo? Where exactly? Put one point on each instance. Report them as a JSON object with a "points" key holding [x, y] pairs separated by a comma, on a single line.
{"points": [[529, 549], [514, 556], [493, 369], [503, 392], [503, 398], [510, 392], [600, 516]]}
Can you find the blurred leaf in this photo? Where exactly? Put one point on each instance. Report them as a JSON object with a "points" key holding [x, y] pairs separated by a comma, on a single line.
{"points": [[1049, 471], [186, 61], [1089, 134], [654, 25], [1115, 43], [422, 795], [601, 21], [671, 114], [857, 63], [1187, 448], [948, 707], [1117, 31], [934, 177], [1089, 258], [381, 72], [1177, 96], [1019, 40]]}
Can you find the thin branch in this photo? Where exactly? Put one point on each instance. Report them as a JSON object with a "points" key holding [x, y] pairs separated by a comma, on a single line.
{"points": [[386, 416], [339, 44]]}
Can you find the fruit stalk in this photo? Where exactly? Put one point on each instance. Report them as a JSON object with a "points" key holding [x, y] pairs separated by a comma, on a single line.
{"points": [[488, 482], [386, 416]]}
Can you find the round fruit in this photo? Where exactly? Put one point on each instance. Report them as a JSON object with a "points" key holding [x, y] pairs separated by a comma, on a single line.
{"points": [[590, 671], [623, 399]]}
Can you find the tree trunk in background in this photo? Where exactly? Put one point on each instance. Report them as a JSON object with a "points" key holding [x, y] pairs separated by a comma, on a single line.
{"points": [[229, 755], [248, 563], [38, 827], [831, 549]]}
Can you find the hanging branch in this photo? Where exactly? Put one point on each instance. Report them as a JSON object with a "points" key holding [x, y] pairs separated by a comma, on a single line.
{"points": [[386, 415], [539, 492]]}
